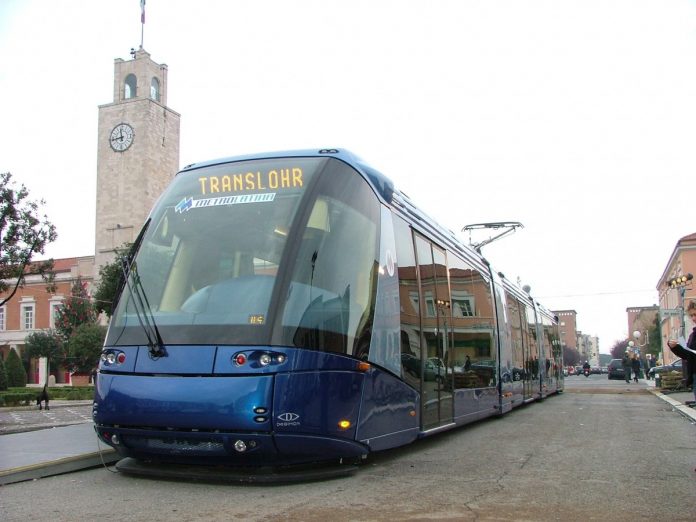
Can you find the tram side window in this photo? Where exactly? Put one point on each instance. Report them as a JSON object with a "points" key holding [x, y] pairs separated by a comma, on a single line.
{"points": [[474, 353], [531, 363], [551, 348], [409, 303], [528, 341], [518, 341]]}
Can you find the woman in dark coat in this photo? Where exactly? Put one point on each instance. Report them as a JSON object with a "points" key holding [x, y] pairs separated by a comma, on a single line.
{"points": [[688, 353], [635, 366]]}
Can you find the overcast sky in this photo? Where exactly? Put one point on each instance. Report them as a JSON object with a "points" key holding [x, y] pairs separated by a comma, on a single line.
{"points": [[576, 118]]}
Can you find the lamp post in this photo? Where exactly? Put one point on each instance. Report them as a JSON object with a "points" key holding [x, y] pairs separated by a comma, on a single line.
{"points": [[680, 283], [636, 346]]}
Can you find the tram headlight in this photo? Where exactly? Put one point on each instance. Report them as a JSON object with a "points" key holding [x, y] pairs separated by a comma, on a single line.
{"points": [[111, 357], [240, 446], [265, 359], [344, 424]]}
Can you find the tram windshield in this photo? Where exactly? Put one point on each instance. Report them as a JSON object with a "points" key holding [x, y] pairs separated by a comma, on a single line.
{"points": [[278, 251]]}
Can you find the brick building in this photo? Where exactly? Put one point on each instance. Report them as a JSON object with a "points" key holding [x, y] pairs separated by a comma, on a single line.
{"points": [[567, 321], [674, 323], [33, 308]]}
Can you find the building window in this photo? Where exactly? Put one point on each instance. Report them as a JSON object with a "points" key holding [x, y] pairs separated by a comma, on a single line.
{"points": [[462, 304], [429, 305], [155, 89], [131, 87], [27, 317], [2, 318], [55, 306]]}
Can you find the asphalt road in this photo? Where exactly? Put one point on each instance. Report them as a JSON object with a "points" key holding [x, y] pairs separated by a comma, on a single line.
{"points": [[603, 450]]}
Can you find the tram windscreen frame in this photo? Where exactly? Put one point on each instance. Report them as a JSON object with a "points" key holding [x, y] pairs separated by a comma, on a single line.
{"points": [[280, 251]]}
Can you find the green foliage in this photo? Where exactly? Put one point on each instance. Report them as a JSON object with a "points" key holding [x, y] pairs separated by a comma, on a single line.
{"points": [[655, 345], [27, 396], [85, 346], [44, 343], [3, 374], [22, 235], [76, 310], [16, 376], [18, 398], [110, 281]]}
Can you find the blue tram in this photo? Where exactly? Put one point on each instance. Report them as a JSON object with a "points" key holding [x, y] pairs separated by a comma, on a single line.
{"points": [[295, 307]]}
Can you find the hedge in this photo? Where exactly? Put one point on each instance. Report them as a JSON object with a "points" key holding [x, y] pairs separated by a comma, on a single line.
{"points": [[27, 396]]}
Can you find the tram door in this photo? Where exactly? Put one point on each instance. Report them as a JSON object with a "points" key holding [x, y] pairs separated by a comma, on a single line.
{"points": [[436, 375]]}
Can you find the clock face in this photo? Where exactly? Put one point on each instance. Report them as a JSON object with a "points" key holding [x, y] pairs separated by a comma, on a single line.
{"points": [[121, 137]]}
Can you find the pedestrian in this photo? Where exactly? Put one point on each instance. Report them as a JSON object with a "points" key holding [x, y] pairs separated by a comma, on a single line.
{"points": [[635, 366], [626, 363], [688, 353], [650, 364]]}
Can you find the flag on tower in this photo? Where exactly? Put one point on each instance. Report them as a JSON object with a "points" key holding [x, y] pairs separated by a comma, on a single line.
{"points": [[142, 11]]}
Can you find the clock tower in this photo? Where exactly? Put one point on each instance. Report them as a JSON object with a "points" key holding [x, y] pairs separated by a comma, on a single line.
{"points": [[137, 154]]}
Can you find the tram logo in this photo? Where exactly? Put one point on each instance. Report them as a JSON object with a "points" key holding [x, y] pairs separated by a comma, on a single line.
{"points": [[288, 419]]}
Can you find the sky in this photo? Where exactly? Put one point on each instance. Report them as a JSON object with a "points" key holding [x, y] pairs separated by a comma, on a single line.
{"points": [[575, 118]]}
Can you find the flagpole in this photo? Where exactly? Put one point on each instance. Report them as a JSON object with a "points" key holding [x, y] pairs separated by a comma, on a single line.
{"points": [[142, 22]]}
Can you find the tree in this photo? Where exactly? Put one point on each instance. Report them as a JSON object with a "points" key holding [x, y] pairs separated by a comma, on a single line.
{"points": [[571, 356], [76, 310], [655, 345], [110, 281], [23, 234], [619, 349], [85, 346], [45, 343], [16, 376], [3, 374]]}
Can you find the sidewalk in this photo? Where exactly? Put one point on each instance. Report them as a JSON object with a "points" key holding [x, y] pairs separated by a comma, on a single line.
{"points": [[46, 452], [38, 453], [675, 399]]}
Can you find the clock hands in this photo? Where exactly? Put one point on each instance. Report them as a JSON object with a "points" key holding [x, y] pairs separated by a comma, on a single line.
{"points": [[121, 137]]}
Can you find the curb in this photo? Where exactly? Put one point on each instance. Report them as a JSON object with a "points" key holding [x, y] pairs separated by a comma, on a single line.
{"points": [[59, 466], [686, 411]]}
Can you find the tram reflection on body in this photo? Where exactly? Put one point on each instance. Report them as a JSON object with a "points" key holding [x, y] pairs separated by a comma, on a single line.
{"points": [[295, 307]]}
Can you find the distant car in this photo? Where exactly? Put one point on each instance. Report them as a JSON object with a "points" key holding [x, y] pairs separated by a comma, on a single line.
{"points": [[676, 366], [615, 369]]}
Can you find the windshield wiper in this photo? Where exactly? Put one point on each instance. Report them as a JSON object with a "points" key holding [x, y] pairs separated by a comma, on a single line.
{"points": [[141, 305]]}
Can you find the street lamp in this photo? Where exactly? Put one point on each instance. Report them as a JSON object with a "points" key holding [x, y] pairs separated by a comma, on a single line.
{"points": [[681, 282], [637, 335]]}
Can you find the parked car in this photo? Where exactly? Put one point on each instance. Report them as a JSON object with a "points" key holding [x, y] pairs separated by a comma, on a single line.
{"points": [[615, 369], [676, 366], [433, 372]]}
